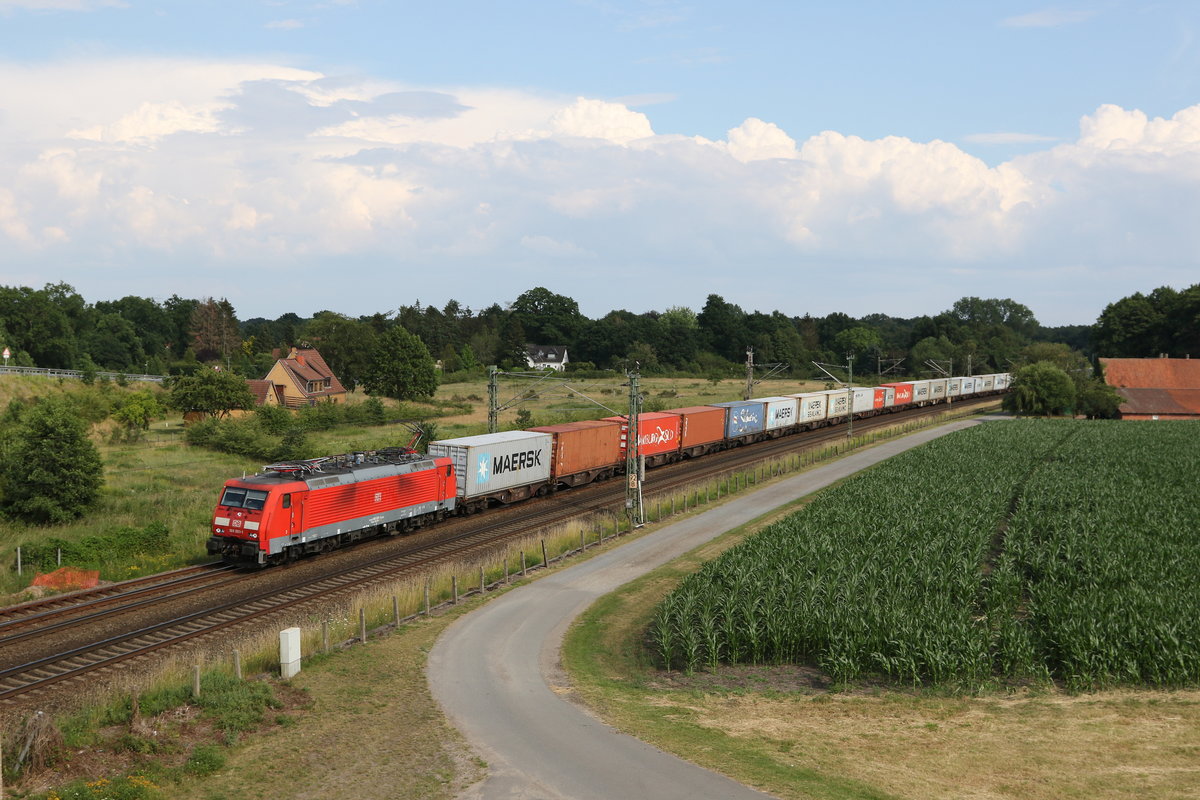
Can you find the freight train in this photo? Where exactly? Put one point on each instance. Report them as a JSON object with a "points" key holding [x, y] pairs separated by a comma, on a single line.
{"points": [[304, 507]]}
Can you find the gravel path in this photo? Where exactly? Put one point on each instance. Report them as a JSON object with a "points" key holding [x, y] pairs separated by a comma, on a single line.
{"points": [[497, 673]]}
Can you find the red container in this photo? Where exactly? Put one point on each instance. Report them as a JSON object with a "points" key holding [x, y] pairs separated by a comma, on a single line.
{"points": [[586, 449], [658, 432], [880, 394], [904, 393], [700, 425]]}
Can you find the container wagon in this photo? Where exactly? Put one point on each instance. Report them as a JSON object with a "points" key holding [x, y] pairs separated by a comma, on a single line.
{"points": [[584, 451], [658, 436], [498, 467], [745, 421], [701, 430]]}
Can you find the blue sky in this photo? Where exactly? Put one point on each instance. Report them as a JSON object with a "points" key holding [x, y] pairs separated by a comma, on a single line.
{"points": [[801, 157]]}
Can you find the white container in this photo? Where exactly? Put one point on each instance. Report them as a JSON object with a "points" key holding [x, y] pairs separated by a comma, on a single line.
{"points": [[838, 403], [782, 412], [811, 406], [968, 386], [937, 389], [920, 393], [864, 399], [493, 462], [954, 387]]}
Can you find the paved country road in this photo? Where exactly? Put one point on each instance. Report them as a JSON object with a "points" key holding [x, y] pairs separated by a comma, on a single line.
{"points": [[495, 671]]}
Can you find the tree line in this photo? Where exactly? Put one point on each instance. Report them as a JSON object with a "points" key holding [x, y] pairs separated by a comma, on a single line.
{"points": [[56, 327]]}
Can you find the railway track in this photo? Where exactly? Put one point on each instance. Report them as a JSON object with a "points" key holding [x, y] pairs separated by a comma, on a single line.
{"points": [[171, 609]]}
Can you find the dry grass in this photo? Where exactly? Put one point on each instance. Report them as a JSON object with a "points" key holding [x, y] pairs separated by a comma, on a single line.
{"points": [[1107, 745]]}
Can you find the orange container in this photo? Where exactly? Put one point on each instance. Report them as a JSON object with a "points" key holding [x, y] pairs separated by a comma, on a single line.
{"points": [[583, 446], [701, 425]]}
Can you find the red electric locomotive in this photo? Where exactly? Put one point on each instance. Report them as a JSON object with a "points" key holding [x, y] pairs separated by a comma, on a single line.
{"points": [[301, 507]]}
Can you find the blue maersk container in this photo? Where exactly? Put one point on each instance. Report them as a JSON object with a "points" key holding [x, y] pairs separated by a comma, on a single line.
{"points": [[743, 417]]}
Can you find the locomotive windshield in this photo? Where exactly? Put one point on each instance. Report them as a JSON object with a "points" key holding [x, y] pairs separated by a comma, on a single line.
{"points": [[251, 499]]}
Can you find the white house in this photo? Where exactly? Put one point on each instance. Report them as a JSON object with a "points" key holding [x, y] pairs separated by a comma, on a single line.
{"points": [[546, 356]]}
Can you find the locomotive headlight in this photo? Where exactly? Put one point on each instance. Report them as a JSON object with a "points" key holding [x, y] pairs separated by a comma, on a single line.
{"points": [[220, 530], [254, 536]]}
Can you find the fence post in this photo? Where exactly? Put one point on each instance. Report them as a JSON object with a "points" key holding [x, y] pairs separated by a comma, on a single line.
{"points": [[325, 636], [396, 611], [545, 561], [482, 586], [507, 580], [523, 571], [196, 680], [362, 625], [18, 560], [60, 556], [427, 597], [582, 541], [454, 586], [237, 664]]}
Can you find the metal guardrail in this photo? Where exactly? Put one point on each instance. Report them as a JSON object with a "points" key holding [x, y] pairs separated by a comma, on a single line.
{"points": [[46, 372]]}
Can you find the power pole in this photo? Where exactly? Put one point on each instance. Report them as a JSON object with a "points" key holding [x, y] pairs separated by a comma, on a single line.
{"points": [[947, 370], [493, 401], [749, 373], [850, 398], [634, 467], [849, 384]]}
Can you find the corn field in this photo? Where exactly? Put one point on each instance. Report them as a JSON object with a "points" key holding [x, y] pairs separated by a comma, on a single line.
{"points": [[1031, 549]]}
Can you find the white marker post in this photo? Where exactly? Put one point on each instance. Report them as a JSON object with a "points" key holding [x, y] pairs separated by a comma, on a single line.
{"points": [[289, 653]]}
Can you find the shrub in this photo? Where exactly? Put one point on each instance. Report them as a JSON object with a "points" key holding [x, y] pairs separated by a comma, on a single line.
{"points": [[205, 760], [274, 419]]}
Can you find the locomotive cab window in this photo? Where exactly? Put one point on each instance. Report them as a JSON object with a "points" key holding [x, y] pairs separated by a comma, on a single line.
{"points": [[251, 499], [287, 501], [255, 500]]}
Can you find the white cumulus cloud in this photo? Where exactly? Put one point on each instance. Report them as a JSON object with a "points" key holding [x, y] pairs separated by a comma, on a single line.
{"points": [[246, 172], [755, 140], [599, 119]]}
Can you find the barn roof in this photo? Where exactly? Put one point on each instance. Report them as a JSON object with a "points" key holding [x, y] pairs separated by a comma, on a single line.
{"points": [[1152, 373], [1163, 402], [1155, 386]]}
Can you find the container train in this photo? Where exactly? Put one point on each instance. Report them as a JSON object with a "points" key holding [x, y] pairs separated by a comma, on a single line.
{"points": [[304, 507]]}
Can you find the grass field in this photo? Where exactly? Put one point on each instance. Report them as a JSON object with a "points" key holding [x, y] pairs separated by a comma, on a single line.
{"points": [[1035, 550]]}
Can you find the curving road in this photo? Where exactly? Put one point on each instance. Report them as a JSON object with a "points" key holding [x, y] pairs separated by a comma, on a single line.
{"points": [[496, 671]]}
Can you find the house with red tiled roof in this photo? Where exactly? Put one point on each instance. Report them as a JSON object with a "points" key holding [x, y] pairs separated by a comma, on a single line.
{"points": [[265, 393], [1155, 388], [304, 379]]}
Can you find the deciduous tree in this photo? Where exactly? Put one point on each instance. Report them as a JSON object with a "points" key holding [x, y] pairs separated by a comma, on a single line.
{"points": [[50, 471], [401, 367], [210, 391], [1041, 388]]}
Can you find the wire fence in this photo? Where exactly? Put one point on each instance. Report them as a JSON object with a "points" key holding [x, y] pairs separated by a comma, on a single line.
{"points": [[46, 372]]}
